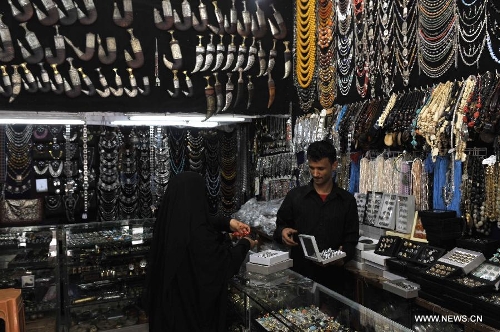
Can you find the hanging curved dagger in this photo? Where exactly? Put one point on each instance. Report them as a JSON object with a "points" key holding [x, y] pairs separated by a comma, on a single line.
{"points": [[210, 97], [21, 16], [167, 22], [230, 25], [219, 57], [231, 49], [71, 12], [7, 84], [147, 86], [91, 88], [288, 59], [251, 56], [118, 92], [241, 86], [138, 60], [200, 52], [272, 57], [244, 29], [186, 15], [133, 83], [60, 49], [58, 86], [220, 20], [272, 90], [200, 27], [209, 55], [7, 52], [52, 15], [259, 27], [218, 94], [34, 44], [128, 14], [91, 16], [89, 47], [109, 58], [104, 84], [75, 89], [44, 82], [250, 88], [16, 84], [281, 32], [242, 50], [229, 92], [176, 54], [262, 60], [189, 84], [30, 82], [177, 86]]}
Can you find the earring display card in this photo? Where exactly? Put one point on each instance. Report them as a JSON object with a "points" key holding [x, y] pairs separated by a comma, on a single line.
{"points": [[373, 205], [361, 203], [405, 213], [312, 252], [387, 214], [468, 260]]}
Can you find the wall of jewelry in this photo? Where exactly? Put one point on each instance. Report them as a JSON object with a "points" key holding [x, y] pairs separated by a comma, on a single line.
{"points": [[203, 57], [275, 161], [367, 49], [97, 173]]}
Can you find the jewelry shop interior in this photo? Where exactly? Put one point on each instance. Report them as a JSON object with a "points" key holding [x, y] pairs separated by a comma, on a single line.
{"points": [[102, 102]]}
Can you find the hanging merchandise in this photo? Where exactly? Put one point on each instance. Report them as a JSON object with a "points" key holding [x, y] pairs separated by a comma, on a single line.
{"points": [[70, 13], [200, 52], [272, 90], [362, 63], [29, 83], [118, 91], [231, 50], [110, 57], [133, 91], [244, 29], [200, 27], [209, 54], [137, 60], [327, 83], [219, 57], [345, 46], [242, 50], [7, 52], [128, 14], [251, 56], [386, 42], [220, 20], [241, 87], [91, 16], [229, 92], [91, 89], [186, 16], [282, 31], [89, 47], [177, 87], [210, 98], [60, 49], [230, 25], [25, 14], [167, 22], [16, 83], [259, 27], [75, 89], [218, 94], [34, 45], [189, 84], [250, 91]]}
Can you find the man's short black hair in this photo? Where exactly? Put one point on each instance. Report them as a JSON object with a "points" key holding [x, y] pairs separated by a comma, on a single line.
{"points": [[321, 149]]}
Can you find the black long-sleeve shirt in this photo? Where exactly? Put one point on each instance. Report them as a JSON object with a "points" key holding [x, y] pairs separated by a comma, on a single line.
{"points": [[333, 223]]}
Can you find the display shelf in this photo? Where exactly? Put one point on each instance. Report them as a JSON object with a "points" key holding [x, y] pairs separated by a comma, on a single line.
{"points": [[29, 261], [287, 301], [104, 273]]}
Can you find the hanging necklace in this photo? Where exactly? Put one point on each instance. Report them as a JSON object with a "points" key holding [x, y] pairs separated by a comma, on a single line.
{"points": [[326, 54], [406, 38]]}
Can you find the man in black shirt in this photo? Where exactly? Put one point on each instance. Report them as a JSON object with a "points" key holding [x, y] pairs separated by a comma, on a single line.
{"points": [[324, 210]]}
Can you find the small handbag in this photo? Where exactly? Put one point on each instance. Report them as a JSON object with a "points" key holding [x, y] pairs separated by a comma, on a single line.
{"points": [[21, 210]]}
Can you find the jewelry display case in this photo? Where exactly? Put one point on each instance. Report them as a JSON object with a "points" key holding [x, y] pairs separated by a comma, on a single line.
{"points": [[104, 269], [29, 261], [287, 301]]}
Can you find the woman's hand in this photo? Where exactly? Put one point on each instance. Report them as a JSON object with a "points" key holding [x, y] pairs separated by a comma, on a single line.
{"points": [[239, 227]]}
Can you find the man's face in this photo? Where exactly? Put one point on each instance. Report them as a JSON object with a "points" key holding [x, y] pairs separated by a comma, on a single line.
{"points": [[321, 170]]}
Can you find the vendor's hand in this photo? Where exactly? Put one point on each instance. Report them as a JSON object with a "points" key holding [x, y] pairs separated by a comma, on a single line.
{"points": [[239, 227], [253, 243], [287, 236]]}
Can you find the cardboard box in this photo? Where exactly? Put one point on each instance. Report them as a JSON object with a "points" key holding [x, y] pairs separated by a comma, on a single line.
{"points": [[268, 269], [269, 257]]}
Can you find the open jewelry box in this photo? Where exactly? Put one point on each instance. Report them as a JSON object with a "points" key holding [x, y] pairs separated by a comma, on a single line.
{"points": [[312, 252]]}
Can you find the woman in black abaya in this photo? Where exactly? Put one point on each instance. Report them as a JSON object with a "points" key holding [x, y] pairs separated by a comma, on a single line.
{"points": [[190, 264]]}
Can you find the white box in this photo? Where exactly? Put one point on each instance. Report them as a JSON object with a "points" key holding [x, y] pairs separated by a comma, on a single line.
{"points": [[374, 268], [371, 256], [311, 251], [403, 288], [268, 269], [269, 257], [366, 246]]}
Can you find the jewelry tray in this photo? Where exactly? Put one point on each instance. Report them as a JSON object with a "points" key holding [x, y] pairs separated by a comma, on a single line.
{"points": [[312, 252], [429, 255], [465, 259], [387, 245], [269, 257], [409, 250]]}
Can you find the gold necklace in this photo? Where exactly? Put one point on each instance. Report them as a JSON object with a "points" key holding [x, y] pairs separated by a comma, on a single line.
{"points": [[306, 42]]}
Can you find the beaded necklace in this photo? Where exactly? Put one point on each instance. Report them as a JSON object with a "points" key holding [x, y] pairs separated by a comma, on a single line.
{"points": [[345, 49], [470, 29]]}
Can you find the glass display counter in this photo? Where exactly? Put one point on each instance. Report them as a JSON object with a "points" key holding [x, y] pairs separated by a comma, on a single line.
{"points": [[104, 274], [287, 301], [29, 261]]}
